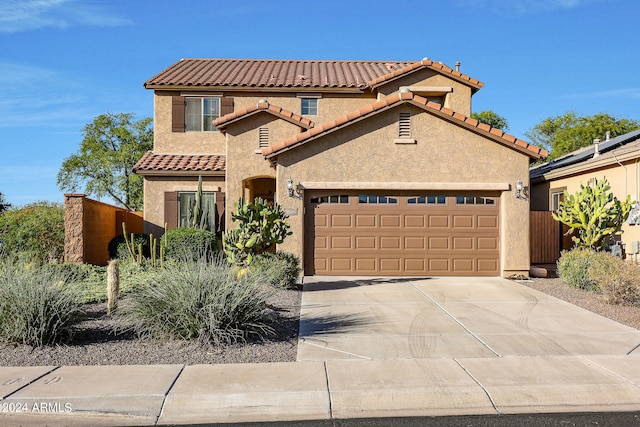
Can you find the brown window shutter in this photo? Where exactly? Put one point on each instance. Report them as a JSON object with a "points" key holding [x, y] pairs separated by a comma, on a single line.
{"points": [[226, 106], [177, 114], [171, 209]]}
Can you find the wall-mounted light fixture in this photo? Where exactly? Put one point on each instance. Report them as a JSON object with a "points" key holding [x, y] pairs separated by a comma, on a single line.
{"points": [[521, 191], [293, 191]]}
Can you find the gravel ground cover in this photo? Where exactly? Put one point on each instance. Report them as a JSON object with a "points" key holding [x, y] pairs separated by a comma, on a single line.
{"points": [[96, 344]]}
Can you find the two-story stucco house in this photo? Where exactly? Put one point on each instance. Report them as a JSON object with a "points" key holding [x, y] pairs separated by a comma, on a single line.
{"points": [[377, 163]]}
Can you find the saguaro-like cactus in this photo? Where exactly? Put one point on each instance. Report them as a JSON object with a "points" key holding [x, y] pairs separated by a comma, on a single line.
{"points": [[594, 213], [113, 286]]}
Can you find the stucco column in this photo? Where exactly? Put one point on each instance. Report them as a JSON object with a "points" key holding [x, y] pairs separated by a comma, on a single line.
{"points": [[74, 228]]}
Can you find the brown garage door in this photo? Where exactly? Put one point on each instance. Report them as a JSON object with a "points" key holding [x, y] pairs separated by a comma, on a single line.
{"points": [[429, 234]]}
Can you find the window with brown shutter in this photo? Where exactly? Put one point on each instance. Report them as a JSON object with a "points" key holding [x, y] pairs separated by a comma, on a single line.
{"points": [[177, 114], [171, 209]]}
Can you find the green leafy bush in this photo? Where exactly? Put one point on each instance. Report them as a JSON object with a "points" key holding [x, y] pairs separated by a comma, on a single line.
{"points": [[118, 247], [39, 304], [190, 243], [201, 300], [36, 231], [573, 268], [281, 268]]}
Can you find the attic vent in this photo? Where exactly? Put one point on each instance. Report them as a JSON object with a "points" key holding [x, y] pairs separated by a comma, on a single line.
{"points": [[404, 125], [263, 137]]}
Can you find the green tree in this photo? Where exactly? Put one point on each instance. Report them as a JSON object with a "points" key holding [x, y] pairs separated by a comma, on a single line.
{"points": [[569, 132], [35, 230], [111, 146], [3, 204], [594, 213], [492, 119]]}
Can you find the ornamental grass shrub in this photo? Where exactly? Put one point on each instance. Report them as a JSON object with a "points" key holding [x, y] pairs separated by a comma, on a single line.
{"points": [[280, 268], [618, 280], [201, 299], [39, 303]]}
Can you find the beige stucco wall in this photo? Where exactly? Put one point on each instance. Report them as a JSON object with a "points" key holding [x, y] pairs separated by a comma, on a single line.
{"points": [[624, 180], [330, 106], [444, 153], [458, 100], [156, 186]]}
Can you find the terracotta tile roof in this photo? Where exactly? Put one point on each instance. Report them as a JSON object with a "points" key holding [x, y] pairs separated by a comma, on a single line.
{"points": [[287, 73], [180, 162], [408, 97], [427, 63], [263, 105]]}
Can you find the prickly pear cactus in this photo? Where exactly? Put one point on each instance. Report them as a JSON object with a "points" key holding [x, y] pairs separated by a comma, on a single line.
{"points": [[595, 213], [260, 226]]}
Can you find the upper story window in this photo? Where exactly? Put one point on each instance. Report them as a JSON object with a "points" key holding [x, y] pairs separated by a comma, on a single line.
{"points": [[200, 114], [309, 106], [194, 113]]}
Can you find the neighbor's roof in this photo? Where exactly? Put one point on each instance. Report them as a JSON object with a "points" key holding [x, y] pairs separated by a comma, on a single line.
{"points": [[391, 101], [263, 105], [296, 74], [151, 162], [583, 159]]}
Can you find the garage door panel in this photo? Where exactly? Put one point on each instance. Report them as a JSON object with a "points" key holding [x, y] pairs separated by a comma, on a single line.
{"points": [[488, 221], [363, 221], [366, 265], [404, 239], [390, 265], [487, 265], [487, 243], [366, 242], [462, 243], [438, 221], [463, 266], [341, 242], [341, 220], [438, 243], [392, 221], [389, 243], [414, 242], [439, 265], [462, 221]]}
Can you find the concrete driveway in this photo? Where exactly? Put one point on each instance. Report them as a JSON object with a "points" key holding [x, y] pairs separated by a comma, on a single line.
{"points": [[414, 318]]}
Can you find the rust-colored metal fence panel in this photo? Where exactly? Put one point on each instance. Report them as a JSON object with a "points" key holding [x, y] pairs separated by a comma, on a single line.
{"points": [[545, 238]]}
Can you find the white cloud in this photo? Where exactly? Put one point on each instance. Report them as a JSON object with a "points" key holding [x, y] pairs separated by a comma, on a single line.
{"points": [[524, 7], [24, 15]]}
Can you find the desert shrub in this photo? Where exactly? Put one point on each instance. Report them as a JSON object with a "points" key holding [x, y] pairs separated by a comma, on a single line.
{"points": [[190, 243], [618, 280], [39, 304], [118, 247], [573, 268], [280, 268], [202, 300], [35, 231]]}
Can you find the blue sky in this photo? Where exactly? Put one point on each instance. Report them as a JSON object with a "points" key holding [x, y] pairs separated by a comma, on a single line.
{"points": [[63, 62]]}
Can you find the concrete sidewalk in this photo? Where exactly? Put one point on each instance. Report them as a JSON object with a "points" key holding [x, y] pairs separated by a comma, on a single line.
{"points": [[488, 347]]}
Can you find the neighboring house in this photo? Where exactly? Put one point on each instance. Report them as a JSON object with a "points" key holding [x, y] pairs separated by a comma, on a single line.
{"points": [[617, 159], [377, 163]]}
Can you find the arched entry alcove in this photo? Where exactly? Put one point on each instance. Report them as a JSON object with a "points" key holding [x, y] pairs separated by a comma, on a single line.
{"points": [[263, 187]]}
